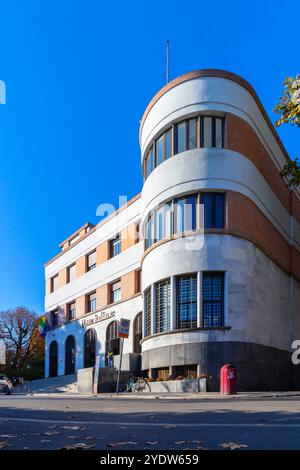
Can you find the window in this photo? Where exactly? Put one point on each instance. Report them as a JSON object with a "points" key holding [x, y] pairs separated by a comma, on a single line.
{"points": [[89, 345], [115, 246], [164, 147], [138, 274], [150, 162], [91, 303], [214, 209], [180, 141], [72, 311], [54, 318], [91, 260], [162, 373], [203, 131], [213, 299], [71, 273], [54, 283], [185, 371], [162, 307], [211, 131], [185, 214], [186, 301], [137, 333], [115, 292], [147, 309], [192, 134], [112, 339], [149, 235]]}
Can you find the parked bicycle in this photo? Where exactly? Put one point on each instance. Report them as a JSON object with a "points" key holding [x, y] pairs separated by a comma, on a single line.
{"points": [[5, 385], [135, 385], [21, 387], [13, 386]]}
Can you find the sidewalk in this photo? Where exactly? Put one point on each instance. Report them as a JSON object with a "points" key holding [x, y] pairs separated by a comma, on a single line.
{"points": [[177, 396]]}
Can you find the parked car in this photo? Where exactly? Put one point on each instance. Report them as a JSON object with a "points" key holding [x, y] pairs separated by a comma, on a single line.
{"points": [[5, 385]]}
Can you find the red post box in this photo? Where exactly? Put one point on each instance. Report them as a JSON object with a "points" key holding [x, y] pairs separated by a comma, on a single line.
{"points": [[228, 380]]}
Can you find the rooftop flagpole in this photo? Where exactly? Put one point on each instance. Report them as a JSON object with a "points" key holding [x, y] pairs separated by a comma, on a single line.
{"points": [[167, 66]]}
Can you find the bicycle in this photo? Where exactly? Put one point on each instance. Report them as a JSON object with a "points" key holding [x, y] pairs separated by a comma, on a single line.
{"points": [[132, 386], [21, 388]]}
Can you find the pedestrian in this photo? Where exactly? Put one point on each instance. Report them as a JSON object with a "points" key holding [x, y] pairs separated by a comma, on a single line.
{"points": [[110, 357]]}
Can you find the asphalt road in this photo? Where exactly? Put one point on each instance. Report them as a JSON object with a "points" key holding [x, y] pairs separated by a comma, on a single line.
{"points": [[120, 424]]}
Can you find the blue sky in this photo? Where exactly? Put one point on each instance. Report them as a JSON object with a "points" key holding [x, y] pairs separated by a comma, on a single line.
{"points": [[79, 75]]}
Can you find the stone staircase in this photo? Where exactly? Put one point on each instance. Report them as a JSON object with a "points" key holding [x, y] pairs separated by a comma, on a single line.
{"points": [[61, 384]]}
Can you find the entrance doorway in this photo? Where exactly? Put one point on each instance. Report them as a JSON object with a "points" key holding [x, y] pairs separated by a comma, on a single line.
{"points": [[53, 359], [70, 355]]}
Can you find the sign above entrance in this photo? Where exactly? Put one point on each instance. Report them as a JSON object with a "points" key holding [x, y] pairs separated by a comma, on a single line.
{"points": [[124, 328], [97, 317]]}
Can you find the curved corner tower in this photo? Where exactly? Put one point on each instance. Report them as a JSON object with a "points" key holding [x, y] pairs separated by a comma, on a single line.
{"points": [[221, 267]]}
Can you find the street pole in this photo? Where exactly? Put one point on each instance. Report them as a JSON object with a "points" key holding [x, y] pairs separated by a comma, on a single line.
{"points": [[120, 366]]}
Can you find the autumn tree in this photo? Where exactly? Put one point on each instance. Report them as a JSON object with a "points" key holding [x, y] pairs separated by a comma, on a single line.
{"points": [[288, 108], [19, 331]]}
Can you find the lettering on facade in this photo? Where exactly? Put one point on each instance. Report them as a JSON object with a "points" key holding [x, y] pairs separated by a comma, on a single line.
{"points": [[97, 317]]}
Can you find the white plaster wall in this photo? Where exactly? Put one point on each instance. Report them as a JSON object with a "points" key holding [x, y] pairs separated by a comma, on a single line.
{"points": [[103, 232], [128, 309], [105, 273], [257, 291], [222, 169], [205, 94]]}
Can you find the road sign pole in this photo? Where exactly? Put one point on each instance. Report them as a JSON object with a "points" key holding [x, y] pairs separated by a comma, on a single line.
{"points": [[120, 366]]}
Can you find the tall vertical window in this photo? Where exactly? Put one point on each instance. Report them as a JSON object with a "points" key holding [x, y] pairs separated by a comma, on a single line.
{"points": [[115, 246], [54, 284], [149, 231], [150, 161], [162, 306], [72, 311], [213, 299], [214, 209], [186, 301], [168, 144], [91, 303], [54, 318], [115, 292], [71, 273], [180, 137], [211, 131], [192, 134], [164, 147], [91, 260], [147, 310], [185, 214], [160, 150]]}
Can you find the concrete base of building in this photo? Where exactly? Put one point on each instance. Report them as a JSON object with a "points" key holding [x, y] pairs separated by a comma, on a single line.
{"points": [[260, 368]]}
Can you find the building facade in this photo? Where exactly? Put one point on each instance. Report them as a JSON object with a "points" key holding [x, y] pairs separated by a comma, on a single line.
{"points": [[205, 262]]}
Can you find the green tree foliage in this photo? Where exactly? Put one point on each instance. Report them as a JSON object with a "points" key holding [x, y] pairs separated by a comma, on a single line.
{"points": [[288, 108]]}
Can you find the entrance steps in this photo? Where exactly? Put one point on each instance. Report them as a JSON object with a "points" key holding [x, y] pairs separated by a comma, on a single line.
{"points": [[60, 384]]}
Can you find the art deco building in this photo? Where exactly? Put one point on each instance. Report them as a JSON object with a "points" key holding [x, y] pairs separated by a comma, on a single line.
{"points": [[205, 261]]}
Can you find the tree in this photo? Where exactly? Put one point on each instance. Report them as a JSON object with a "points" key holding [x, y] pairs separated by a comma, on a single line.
{"points": [[19, 331], [289, 109]]}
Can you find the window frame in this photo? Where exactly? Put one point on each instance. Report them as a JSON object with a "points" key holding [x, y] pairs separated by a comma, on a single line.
{"points": [[163, 315], [193, 321], [89, 302], [94, 265], [116, 241], [150, 165], [112, 290], [68, 273], [213, 301]]}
